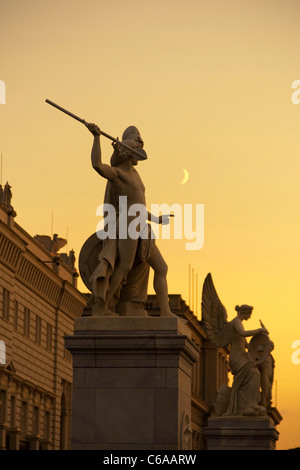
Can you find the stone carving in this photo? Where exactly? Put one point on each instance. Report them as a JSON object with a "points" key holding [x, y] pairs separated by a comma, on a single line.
{"points": [[186, 432], [6, 197], [244, 397], [116, 269], [266, 367], [51, 244], [69, 259]]}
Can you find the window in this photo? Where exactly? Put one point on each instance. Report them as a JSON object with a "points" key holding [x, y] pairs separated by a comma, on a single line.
{"points": [[49, 337], [38, 329], [47, 425], [12, 411], [26, 326], [2, 406], [16, 315], [5, 304], [24, 411], [35, 421]]}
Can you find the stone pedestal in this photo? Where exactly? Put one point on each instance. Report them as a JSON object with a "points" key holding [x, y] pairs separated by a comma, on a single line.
{"points": [[131, 383], [241, 433]]}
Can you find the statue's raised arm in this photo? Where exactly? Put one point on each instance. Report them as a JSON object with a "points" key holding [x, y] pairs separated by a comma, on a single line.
{"points": [[106, 171]]}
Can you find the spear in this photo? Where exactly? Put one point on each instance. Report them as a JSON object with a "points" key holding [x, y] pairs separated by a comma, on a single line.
{"points": [[141, 154]]}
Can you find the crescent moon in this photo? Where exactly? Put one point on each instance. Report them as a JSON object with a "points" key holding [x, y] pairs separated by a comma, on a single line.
{"points": [[185, 176]]}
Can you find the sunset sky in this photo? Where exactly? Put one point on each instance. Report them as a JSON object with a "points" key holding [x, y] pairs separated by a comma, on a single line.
{"points": [[209, 86]]}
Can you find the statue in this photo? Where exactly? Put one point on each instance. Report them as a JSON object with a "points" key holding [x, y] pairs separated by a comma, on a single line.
{"points": [[123, 262], [51, 244], [69, 259], [259, 350], [244, 397], [116, 270], [7, 196]]}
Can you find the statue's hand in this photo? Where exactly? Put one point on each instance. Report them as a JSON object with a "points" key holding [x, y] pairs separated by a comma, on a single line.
{"points": [[122, 152], [116, 146], [165, 219], [264, 330], [93, 128]]}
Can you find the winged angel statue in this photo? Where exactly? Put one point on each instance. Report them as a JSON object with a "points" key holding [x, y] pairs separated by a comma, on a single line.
{"points": [[244, 398]]}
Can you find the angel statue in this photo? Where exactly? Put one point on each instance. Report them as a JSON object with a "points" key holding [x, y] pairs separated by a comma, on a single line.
{"points": [[245, 397]]}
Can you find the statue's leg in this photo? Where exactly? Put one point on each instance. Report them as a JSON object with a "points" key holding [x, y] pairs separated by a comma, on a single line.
{"points": [[160, 285], [126, 251]]}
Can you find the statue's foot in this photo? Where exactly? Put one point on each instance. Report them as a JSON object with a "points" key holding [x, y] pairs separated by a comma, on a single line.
{"points": [[168, 314], [104, 313], [99, 309], [261, 411], [254, 410], [112, 314]]}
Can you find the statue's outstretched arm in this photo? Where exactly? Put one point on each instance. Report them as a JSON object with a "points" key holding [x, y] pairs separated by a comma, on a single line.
{"points": [[162, 219], [241, 330], [104, 170]]}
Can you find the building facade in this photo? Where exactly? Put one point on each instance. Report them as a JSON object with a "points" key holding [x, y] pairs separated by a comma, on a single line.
{"points": [[39, 300]]}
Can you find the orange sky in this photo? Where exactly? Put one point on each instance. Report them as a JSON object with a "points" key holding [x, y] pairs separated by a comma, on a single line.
{"points": [[209, 86]]}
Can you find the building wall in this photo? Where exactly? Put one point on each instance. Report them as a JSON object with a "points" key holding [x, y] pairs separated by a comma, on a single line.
{"points": [[38, 300]]}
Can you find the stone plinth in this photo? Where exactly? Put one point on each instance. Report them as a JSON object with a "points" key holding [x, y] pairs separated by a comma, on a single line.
{"points": [[241, 433], [131, 383]]}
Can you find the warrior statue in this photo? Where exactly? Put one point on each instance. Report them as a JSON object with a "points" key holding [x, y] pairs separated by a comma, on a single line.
{"points": [[115, 269], [120, 256]]}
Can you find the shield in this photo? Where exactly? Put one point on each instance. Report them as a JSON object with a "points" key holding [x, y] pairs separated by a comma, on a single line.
{"points": [[88, 258], [259, 348]]}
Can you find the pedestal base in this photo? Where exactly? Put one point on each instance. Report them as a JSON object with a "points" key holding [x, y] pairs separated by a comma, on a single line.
{"points": [[241, 433], [131, 383]]}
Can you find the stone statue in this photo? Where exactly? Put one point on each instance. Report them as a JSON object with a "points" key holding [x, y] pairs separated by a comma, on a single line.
{"points": [[259, 350], [186, 432], [118, 266], [69, 259], [7, 196], [51, 244], [244, 396]]}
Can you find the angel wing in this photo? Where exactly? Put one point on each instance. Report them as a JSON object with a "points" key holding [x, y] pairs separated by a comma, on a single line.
{"points": [[44, 240], [52, 245], [214, 315], [58, 243]]}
